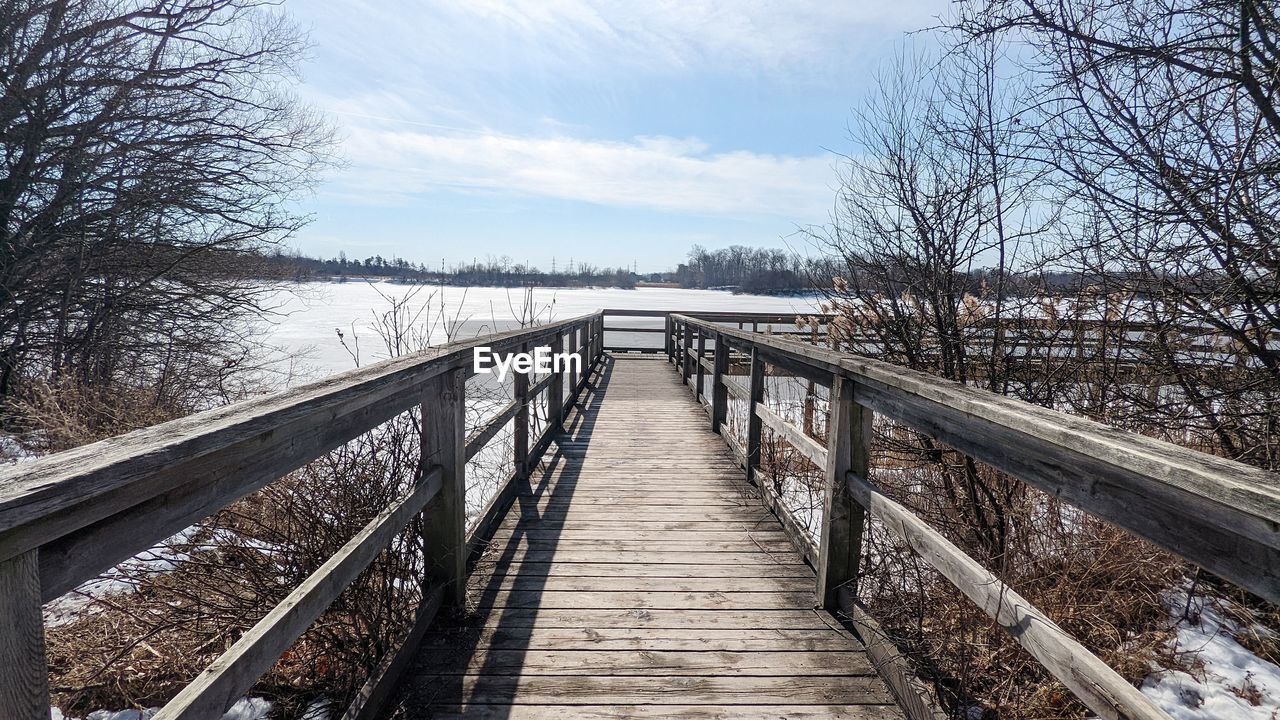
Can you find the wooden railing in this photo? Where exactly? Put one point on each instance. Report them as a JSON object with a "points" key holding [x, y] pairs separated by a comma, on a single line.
{"points": [[782, 322], [68, 517], [1221, 515]]}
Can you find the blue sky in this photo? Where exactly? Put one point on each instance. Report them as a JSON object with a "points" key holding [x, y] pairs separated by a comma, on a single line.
{"points": [[609, 132]]}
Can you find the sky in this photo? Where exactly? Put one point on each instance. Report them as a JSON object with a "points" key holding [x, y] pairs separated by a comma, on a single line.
{"points": [[581, 130]]}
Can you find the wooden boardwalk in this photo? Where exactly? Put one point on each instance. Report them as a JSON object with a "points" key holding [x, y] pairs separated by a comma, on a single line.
{"points": [[637, 575]]}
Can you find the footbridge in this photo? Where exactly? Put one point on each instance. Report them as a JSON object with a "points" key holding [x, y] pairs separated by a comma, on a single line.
{"points": [[633, 562]]}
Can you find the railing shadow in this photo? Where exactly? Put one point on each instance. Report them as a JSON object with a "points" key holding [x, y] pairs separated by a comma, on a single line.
{"points": [[495, 681]]}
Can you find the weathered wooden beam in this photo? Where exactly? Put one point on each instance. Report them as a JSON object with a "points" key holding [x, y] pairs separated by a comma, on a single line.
{"points": [[24, 681], [445, 530], [224, 682], [685, 349], [807, 446], [521, 435], [237, 448], [1099, 687], [755, 401], [848, 450], [484, 435], [1217, 513], [889, 661], [701, 362], [719, 388], [555, 391]]}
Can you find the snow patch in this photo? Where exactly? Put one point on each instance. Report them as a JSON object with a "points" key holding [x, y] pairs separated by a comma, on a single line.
{"points": [[244, 709], [1226, 680]]}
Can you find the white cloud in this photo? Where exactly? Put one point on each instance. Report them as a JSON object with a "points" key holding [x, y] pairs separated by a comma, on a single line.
{"points": [[668, 174]]}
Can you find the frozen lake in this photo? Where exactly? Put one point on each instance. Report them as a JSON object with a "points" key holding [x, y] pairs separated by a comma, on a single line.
{"points": [[312, 314]]}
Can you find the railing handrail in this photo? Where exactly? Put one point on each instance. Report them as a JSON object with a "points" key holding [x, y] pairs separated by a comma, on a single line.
{"points": [[1093, 462], [1218, 513], [69, 516], [79, 482]]}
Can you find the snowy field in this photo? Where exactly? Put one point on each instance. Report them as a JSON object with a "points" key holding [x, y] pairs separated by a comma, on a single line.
{"points": [[309, 315]]}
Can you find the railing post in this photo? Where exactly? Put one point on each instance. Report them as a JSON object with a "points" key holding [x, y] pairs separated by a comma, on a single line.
{"points": [[599, 349], [666, 338], [702, 350], [848, 449], [756, 395], [555, 391], [576, 343], [719, 378], [685, 370], [444, 444], [24, 682], [521, 391]]}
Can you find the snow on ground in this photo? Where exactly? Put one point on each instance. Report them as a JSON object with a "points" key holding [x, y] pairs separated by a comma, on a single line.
{"points": [[1226, 680], [75, 604], [309, 314], [244, 709]]}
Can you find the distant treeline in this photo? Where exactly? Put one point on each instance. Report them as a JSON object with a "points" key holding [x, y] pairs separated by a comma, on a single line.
{"points": [[736, 268], [497, 272]]}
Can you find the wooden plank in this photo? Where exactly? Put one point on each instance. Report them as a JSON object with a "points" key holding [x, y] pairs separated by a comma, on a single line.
{"points": [[667, 712], [520, 387], [24, 683], [763, 620], [755, 402], [624, 583], [629, 600], [808, 447], [719, 392], [912, 694], [622, 663], [849, 450], [1099, 687], [606, 689], [578, 553], [700, 362], [48, 498], [236, 670], [445, 530], [1219, 514], [653, 570], [656, 639], [484, 435]]}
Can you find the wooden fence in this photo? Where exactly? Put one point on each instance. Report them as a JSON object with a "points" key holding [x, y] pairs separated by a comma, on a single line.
{"points": [[66, 518], [1222, 515]]}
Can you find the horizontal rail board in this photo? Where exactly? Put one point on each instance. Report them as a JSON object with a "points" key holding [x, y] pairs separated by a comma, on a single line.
{"points": [[231, 675], [810, 448], [49, 498], [1097, 685], [1217, 513], [482, 437]]}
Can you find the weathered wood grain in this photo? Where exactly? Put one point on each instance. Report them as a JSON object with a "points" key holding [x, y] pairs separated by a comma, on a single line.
{"points": [[849, 450], [1098, 686], [24, 680], [225, 681], [1219, 514], [445, 527], [636, 557]]}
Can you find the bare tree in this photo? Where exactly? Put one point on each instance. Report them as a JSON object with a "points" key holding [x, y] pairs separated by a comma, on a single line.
{"points": [[147, 147]]}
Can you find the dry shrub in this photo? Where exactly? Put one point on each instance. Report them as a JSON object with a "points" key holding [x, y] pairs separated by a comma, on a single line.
{"points": [[138, 648], [59, 414], [1102, 585]]}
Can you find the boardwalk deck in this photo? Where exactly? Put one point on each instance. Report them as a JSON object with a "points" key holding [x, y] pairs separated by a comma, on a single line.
{"points": [[637, 575]]}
